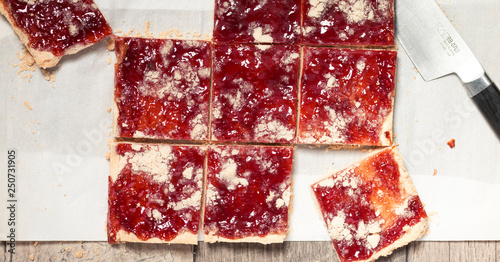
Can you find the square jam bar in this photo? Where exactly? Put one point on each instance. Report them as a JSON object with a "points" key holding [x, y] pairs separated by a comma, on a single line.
{"points": [[50, 29], [347, 97], [248, 192], [371, 208], [257, 21], [162, 89], [348, 22], [155, 193], [254, 93]]}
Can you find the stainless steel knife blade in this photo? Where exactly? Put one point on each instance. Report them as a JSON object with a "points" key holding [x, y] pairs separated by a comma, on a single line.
{"points": [[432, 42], [437, 49]]}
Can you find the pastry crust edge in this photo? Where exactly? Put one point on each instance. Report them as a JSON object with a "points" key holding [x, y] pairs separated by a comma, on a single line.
{"points": [[412, 233], [43, 59]]}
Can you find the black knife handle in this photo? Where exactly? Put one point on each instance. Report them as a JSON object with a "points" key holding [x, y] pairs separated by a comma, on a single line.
{"points": [[488, 101]]}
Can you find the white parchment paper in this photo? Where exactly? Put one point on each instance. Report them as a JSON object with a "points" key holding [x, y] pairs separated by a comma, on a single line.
{"points": [[62, 140]]}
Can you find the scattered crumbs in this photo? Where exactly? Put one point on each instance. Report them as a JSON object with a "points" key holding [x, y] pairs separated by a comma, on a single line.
{"points": [[32, 257], [111, 44], [49, 76], [27, 63], [129, 32], [207, 36], [435, 172], [138, 34], [108, 109], [35, 244], [109, 59], [167, 33], [79, 254], [177, 33], [146, 29], [196, 35], [118, 31], [451, 143], [27, 105]]}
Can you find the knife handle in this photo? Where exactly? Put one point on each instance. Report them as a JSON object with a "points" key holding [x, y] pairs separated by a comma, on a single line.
{"points": [[488, 101]]}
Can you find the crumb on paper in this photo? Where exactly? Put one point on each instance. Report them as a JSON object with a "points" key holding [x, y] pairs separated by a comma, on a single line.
{"points": [[132, 29], [167, 33], [435, 172], [207, 36], [49, 76], [138, 34], [146, 30], [79, 254], [196, 35], [451, 143], [36, 242], [177, 33], [26, 63], [107, 155], [110, 43], [32, 257], [108, 109], [27, 105], [118, 31]]}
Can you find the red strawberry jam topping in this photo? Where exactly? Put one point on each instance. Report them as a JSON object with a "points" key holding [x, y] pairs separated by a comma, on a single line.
{"points": [[347, 96], [248, 191], [257, 21], [348, 22], [162, 88], [156, 192], [254, 93], [56, 25], [368, 206]]}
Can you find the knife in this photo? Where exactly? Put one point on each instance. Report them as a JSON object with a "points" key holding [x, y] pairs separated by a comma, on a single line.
{"points": [[436, 49]]}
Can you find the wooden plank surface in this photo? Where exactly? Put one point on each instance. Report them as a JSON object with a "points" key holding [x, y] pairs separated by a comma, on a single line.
{"points": [[223, 252]]}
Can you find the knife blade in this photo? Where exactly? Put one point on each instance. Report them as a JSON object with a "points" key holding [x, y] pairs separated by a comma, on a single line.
{"points": [[437, 49]]}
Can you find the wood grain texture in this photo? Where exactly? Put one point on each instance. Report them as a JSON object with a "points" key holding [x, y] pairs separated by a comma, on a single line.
{"points": [[428, 251], [471, 251], [99, 251]]}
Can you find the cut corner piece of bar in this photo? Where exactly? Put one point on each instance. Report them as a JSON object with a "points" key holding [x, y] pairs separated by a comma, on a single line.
{"points": [[162, 88], [248, 194], [371, 208], [347, 97], [155, 193], [51, 29]]}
